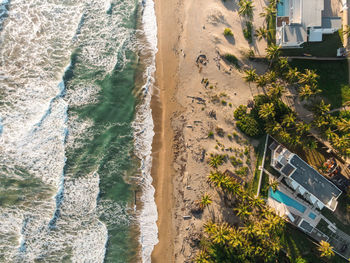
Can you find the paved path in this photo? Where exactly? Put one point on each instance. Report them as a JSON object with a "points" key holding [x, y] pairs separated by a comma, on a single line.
{"points": [[262, 167]]}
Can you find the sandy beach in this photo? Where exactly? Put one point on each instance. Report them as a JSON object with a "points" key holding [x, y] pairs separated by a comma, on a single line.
{"points": [[190, 90]]}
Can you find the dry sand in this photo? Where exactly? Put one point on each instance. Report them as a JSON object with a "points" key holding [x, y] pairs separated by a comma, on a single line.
{"points": [[187, 29]]}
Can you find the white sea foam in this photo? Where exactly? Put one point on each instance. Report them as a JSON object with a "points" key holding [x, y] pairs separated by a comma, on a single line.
{"points": [[37, 39], [143, 127]]}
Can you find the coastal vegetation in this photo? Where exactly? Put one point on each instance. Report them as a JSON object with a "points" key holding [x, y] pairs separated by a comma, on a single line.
{"points": [[270, 114]]}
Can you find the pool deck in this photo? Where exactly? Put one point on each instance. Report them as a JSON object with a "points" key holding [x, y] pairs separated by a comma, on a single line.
{"points": [[283, 209]]}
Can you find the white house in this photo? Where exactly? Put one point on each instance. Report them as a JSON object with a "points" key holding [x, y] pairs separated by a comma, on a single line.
{"points": [[304, 179], [300, 21]]}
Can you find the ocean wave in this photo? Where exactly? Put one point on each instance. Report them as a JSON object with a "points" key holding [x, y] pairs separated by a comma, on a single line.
{"points": [[143, 127]]}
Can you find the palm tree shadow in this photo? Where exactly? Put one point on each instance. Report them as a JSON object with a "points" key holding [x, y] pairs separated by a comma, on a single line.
{"points": [[230, 39], [231, 5]]}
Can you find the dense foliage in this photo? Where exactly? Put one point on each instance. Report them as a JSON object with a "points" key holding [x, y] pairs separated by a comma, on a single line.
{"points": [[256, 240]]}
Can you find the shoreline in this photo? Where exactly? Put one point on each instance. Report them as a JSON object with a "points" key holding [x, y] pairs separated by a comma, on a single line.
{"points": [[181, 110], [163, 105]]}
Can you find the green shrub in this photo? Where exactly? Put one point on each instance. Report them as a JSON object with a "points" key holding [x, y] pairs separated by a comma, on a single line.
{"points": [[235, 161], [228, 32], [243, 171], [248, 32], [211, 135], [229, 136], [232, 59], [249, 126], [240, 112], [220, 131], [223, 102]]}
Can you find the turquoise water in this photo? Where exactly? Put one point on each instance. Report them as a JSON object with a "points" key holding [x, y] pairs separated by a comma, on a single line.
{"points": [[282, 198], [282, 8], [312, 215], [76, 131]]}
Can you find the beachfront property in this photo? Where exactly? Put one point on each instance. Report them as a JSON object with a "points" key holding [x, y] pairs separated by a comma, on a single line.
{"points": [[300, 21], [303, 179], [301, 197]]}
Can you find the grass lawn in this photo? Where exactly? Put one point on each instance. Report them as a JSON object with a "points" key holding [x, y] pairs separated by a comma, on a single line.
{"points": [[333, 81], [264, 190], [271, 34], [334, 219], [314, 157], [298, 245], [259, 151], [327, 48], [267, 164]]}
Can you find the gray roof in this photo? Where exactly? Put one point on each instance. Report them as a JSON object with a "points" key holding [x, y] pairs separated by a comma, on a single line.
{"points": [[331, 22], [295, 34], [312, 181], [306, 226]]}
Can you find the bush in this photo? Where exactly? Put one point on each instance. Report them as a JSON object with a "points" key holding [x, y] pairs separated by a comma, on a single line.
{"points": [[220, 131], [243, 171], [248, 32], [249, 126], [211, 135], [235, 161], [240, 112], [223, 102], [228, 32], [232, 59]]}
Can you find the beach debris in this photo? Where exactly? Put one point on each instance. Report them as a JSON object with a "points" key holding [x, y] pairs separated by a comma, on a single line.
{"points": [[198, 99], [202, 59], [187, 217], [203, 155], [212, 114]]}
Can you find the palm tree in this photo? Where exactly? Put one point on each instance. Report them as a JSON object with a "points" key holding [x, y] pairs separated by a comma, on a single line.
{"points": [[273, 185], [250, 75], [216, 160], [267, 110], [285, 136], [321, 108], [217, 179], [270, 76], [235, 238], [256, 202], [273, 127], [261, 81], [246, 8], [242, 211], [302, 128], [202, 257], [270, 11], [326, 249], [341, 142], [307, 91], [209, 227], [273, 52], [261, 33], [205, 201], [275, 91], [343, 125], [221, 234], [289, 119], [282, 65], [292, 75], [309, 77]]}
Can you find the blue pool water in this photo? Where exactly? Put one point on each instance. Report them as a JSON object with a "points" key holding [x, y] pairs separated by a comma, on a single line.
{"points": [[282, 198], [312, 215], [282, 8]]}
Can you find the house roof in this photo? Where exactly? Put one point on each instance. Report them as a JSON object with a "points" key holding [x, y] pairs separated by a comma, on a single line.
{"points": [[313, 182]]}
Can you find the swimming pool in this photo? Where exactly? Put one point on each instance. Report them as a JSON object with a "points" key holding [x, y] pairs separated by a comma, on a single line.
{"points": [[283, 8], [285, 199], [312, 215]]}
